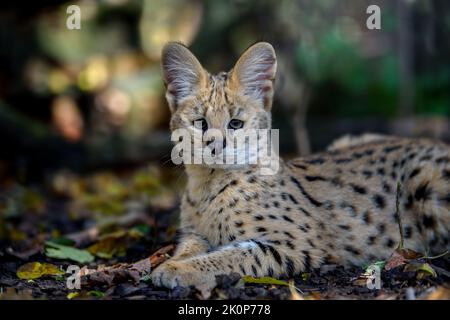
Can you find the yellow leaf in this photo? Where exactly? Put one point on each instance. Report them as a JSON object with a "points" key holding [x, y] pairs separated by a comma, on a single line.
{"points": [[34, 270], [264, 280], [112, 244], [72, 295]]}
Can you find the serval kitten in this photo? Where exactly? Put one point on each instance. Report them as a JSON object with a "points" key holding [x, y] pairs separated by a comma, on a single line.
{"points": [[337, 206]]}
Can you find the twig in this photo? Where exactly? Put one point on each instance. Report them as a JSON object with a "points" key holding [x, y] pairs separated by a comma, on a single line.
{"points": [[397, 213], [436, 257]]}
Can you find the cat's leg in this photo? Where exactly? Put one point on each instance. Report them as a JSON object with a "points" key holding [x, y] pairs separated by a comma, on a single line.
{"points": [[426, 204], [251, 257], [191, 244]]}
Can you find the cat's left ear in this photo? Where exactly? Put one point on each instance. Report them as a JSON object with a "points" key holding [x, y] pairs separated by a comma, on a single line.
{"points": [[254, 73]]}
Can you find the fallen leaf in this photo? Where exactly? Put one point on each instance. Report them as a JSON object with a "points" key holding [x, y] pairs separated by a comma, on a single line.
{"points": [[34, 270], [58, 251], [422, 269], [294, 293], [96, 293], [400, 257], [161, 255], [118, 273], [264, 280], [112, 244], [72, 295]]}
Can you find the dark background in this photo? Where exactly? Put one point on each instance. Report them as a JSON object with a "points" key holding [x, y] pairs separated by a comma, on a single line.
{"points": [[93, 98]]}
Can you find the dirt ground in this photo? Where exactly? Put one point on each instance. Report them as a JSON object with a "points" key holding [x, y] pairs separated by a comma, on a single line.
{"points": [[121, 218]]}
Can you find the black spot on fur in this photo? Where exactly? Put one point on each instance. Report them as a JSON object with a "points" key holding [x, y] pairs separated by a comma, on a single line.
{"points": [[381, 228], [261, 229], [292, 198], [315, 178], [428, 221], [251, 179], [223, 189], [289, 235], [342, 160], [445, 198], [442, 160], [275, 254], [368, 174], [315, 161], [258, 262], [423, 192], [408, 232], [409, 202], [358, 189], [446, 174], [392, 148], [306, 259], [290, 267], [288, 219], [390, 243], [262, 246], [290, 245], [371, 240], [305, 212], [344, 227], [255, 272], [367, 218], [258, 217], [352, 250], [306, 194], [379, 201], [414, 173]]}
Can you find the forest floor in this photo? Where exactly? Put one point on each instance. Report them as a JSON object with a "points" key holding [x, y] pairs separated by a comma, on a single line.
{"points": [[116, 226]]}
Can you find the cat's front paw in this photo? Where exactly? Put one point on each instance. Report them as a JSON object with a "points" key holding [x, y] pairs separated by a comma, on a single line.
{"points": [[178, 273]]}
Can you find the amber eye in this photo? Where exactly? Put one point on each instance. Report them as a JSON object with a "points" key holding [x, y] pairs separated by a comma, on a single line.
{"points": [[235, 124], [201, 124]]}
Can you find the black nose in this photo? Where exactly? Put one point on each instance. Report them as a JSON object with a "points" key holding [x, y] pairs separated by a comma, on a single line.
{"points": [[213, 151]]}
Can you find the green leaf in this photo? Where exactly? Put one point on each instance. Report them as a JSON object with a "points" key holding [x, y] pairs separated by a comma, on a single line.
{"points": [[59, 251], [34, 270], [378, 264], [264, 280], [62, 240], [146, 278], [423, 269], [95, 293]]}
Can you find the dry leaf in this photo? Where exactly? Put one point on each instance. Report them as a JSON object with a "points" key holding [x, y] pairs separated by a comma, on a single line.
{"points": [[400, 257], [35, 270]]}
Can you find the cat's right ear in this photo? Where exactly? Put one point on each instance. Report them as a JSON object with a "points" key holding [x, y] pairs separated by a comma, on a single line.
{"points": [[183, 74]]}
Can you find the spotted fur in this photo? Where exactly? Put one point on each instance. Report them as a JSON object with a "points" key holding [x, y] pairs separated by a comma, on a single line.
{"points": [[338, 206]]}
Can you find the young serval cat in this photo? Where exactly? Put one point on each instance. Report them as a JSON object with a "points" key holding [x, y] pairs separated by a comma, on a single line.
{"points": [[338, 206]]}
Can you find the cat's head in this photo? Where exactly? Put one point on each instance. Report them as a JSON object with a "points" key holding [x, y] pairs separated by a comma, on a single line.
{"points": [[238, 99]]}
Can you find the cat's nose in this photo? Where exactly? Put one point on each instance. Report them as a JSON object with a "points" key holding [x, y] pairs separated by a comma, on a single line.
{"points": [[216, 146]]}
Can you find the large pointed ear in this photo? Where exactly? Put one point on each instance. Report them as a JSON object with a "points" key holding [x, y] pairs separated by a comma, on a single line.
{"points": [[254, 73], [182, 73]]}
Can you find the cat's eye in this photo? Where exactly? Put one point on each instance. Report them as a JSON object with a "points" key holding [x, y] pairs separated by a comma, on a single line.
{"points": [[201, 124], [235, 124]]}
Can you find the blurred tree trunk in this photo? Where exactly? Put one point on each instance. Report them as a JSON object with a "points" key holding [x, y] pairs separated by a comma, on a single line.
{"points": [[295, 95], [405, 52]]}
